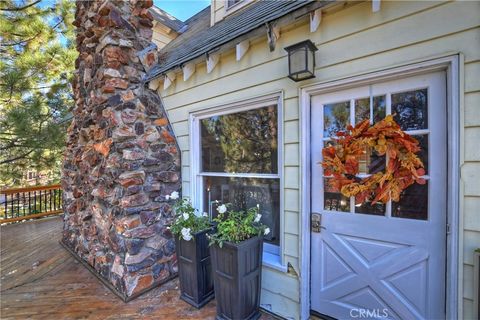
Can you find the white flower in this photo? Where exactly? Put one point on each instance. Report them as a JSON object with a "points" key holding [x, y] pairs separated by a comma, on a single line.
{"points": [[257, 217], [186, 235], [167, 197], [258, 206], [174, 195], [205, 214], [185, 216], [222, 208], [267, 231]]}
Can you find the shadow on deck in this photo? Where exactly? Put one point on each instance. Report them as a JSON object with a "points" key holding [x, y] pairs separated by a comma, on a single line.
{"points": [[41, 280]]}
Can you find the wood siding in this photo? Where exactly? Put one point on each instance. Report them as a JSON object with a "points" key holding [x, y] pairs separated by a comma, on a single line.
{"points": [[162, 35], [351, 40], [217, 11]]}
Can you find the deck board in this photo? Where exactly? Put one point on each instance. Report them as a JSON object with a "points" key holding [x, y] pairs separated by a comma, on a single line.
{"points": [[41, 280]]}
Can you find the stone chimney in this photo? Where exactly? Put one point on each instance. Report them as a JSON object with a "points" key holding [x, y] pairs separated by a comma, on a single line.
{"points": [[122, 158]]}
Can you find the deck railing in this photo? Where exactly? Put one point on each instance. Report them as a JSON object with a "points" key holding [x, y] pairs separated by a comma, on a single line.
{"points": [[31, 202]]}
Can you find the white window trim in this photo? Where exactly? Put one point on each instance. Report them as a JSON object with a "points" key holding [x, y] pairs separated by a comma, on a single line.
{"points": [[237, 6], [273, 256], [452, 64]]}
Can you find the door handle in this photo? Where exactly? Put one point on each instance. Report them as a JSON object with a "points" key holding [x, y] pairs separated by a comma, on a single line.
{"points": [[316, 222]]}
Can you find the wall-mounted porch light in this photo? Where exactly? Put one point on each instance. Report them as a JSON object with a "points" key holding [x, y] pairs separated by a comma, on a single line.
{"points": [[301, 60]]}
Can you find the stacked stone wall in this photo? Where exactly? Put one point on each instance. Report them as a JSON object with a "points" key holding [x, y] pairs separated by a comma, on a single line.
{"points": [[122, 158]]}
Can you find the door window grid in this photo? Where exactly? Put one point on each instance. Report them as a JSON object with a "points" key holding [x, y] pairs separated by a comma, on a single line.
{"points": [[388, 110]]}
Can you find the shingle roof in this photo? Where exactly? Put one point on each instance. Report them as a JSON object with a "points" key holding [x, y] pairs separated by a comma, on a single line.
{"points": [[166, 19], [194, 25], [200, 38]]}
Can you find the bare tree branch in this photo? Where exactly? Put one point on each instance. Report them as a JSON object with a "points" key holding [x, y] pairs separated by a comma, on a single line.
{"points": [[24, 155], [20, 8]]}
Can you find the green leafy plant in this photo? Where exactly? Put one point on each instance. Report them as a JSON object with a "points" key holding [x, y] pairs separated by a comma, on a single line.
{"points": [[186, 222], [237, 226]]}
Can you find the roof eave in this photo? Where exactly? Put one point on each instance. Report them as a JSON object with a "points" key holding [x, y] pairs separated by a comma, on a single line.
{"points": [[252, 34]]}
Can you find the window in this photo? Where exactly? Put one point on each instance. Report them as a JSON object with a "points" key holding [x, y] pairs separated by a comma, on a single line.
{"points": [[238, 162], [410, 110], [232, 6], [231, 3]]}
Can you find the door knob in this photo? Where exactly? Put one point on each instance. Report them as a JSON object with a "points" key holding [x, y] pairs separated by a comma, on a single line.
{"points": [[316, 222]]}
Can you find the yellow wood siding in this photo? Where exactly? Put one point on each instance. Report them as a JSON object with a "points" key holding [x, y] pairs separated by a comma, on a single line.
{"points": [[472, 109], [161, 36], [351, 41]]}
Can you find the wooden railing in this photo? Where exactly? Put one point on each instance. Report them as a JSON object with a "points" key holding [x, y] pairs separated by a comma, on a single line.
{"points": [[31, 202]]}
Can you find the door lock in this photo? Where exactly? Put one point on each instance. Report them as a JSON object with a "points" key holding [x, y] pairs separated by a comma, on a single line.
{"points": [[316, 222]]}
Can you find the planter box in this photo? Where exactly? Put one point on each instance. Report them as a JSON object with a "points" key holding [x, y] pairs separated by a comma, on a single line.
{"points": [[195, 270], [237, 273]]}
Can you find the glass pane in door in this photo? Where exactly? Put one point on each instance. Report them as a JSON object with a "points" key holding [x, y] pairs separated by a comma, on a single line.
{"points": [[377, 209], [362, 109], [369, 162], [409, 109], [334, 201], [336, 117], [413, 203], [423, 153]]}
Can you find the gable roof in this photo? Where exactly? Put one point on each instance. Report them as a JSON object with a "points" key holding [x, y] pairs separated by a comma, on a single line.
{"points": [[199, 38], [166, 19], [192, 26]]}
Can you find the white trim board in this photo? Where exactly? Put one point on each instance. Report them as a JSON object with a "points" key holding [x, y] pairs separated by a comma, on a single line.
{"points": [[451, 64]]}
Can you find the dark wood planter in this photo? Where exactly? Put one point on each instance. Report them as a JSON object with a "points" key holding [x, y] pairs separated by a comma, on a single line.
{"points": [[237, 273], [195, 269]]}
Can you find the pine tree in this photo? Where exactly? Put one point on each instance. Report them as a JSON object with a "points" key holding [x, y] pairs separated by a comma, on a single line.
{"points": [[37, 60]]}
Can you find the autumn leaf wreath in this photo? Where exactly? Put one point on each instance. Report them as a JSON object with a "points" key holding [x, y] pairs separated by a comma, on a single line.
{"points": [[404, 167]]}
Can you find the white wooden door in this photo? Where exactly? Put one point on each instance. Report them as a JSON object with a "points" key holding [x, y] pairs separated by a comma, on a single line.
{"points": [[382, 261]]}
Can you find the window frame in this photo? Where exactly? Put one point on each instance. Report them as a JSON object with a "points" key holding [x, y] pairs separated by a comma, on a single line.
{"points": [[273, 254], [351, 98], [229, 9], [229, 6], [452, 64]]}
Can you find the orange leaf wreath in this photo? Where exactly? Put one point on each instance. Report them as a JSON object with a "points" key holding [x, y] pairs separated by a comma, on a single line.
{"points": [[404, 167]]}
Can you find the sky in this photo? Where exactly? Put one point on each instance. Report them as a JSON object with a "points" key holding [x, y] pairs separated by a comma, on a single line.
{"points": [[182, 9]]}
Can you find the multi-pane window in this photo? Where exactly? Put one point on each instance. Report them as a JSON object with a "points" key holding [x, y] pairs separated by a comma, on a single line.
{"points": [[239, 163], [410, 112]]}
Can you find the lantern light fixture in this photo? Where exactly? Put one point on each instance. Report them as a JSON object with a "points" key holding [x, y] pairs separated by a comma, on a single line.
{"points": [[301, 60]]}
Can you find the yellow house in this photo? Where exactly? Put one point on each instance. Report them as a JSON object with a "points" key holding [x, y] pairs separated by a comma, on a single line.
{"points": [[249, 133]]}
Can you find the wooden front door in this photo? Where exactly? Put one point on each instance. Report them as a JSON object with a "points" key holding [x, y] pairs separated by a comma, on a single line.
{"points": [[384, 261]]}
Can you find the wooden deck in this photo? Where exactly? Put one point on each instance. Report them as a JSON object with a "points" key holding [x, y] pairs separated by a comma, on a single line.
{"points": [[41, 280]]}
